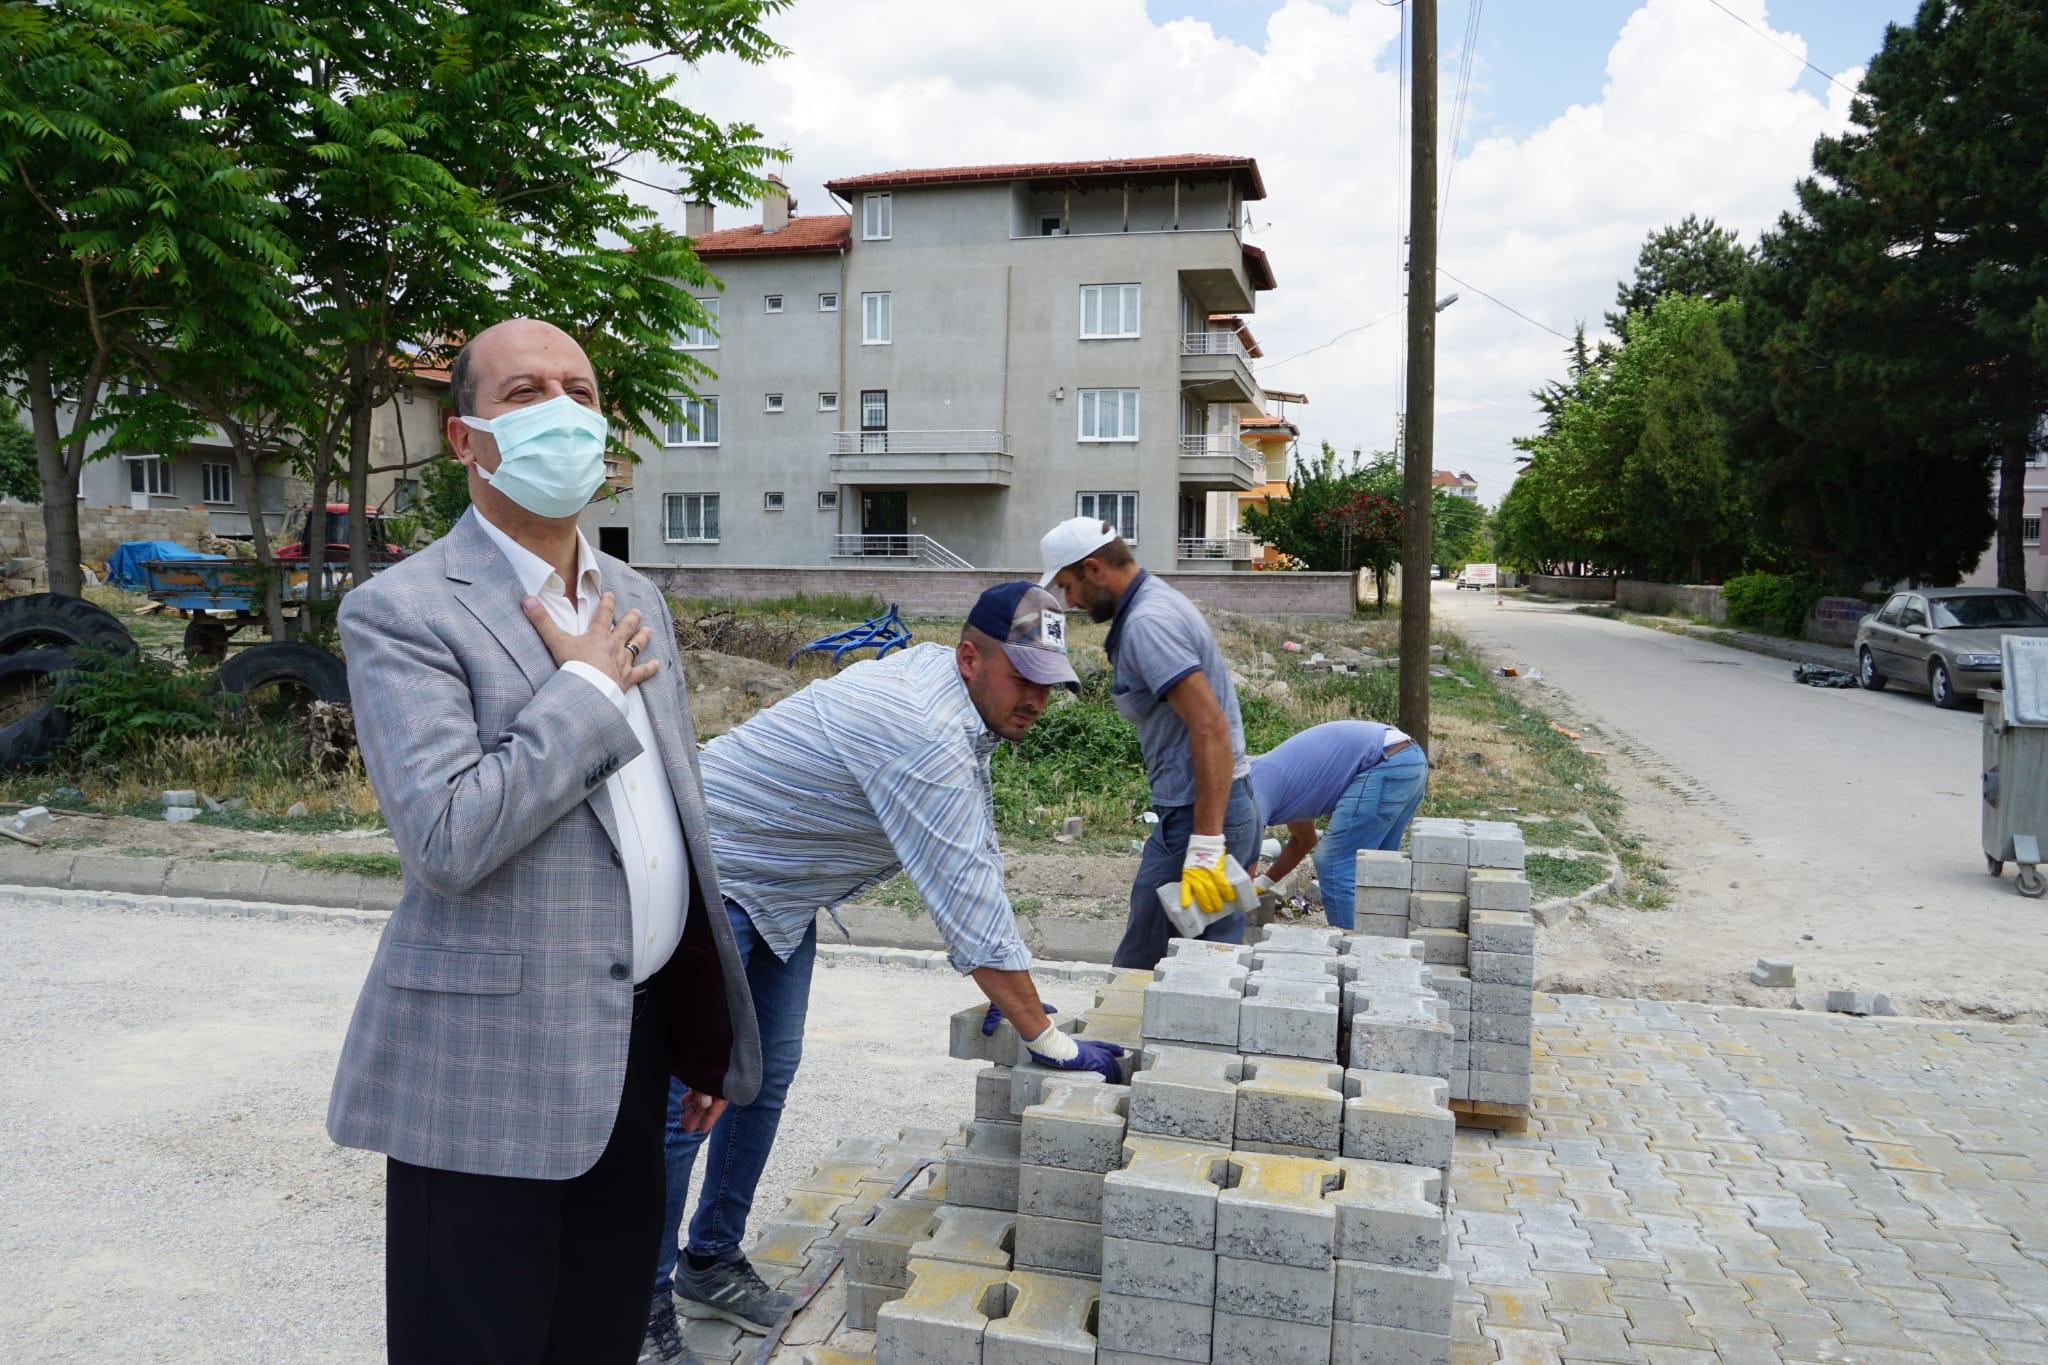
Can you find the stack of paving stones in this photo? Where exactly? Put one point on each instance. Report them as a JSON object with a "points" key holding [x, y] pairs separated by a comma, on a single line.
{"points": [[1460, 891]]}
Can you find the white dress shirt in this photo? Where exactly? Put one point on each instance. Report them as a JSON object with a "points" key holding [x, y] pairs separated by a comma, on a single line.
{"points": [[650, 831]]}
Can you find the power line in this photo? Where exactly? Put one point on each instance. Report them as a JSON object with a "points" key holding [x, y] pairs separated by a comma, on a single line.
{"points": [[1503, 303], [1466, 52], [1780, 46], [1323, 346]]}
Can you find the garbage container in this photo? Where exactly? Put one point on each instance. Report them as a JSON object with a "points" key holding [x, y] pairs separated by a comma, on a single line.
{"points": [[2016, 764]]}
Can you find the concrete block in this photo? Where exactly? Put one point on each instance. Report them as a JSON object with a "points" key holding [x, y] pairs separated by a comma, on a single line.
{"points": [[1274, 1210], [1130, 979], [1497, 889], [1489, 997], [856, 1211], [941, 1317], [1195, 1006], [181, 799], [1203, 952], [1384, 926], [1501, 1028], [1502, 931], [1155, 1327], [1389, 1116], [1383, 868], [1401, 1035], [1077, 1127], [1312, 939], [1438, 840], [1452, 986], [1267, 1289], [1237, 1337], [1495, 845], [1507, 1058], [1158, 1270], [812, 1207], [1460, 1081], [1389, 1214], [1365, 949], [1391, 1296], [1773, 971], [1030, 1080], [1061, 1244], [864, 1301], [1435, 910], [1283, 1149], [1439, 877], [1503, 969], [1125, 1030], [1166, 1192], [1362, 1343], [983, 1174], [1448, 946], [933, 1188], [1291, 1102], [1048, 1323], [879, 1252], [1299, 966], [1461, 1031], [1185, 1093], [784, 1243], [977, 1237], [836, 1177], [1494, 1087], [967, 1043], [865, 1151], [992, 1095], [1284, 1017], [1381, 900], [1050, 1192]]}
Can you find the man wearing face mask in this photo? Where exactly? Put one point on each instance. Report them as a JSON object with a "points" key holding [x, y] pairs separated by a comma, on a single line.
{"points": [[560, 950]]}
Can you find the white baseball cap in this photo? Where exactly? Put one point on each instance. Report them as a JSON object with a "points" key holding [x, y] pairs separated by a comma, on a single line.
{"points": [[1070, 542]]}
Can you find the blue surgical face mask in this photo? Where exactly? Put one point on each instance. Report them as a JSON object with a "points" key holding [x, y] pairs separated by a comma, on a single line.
{"points": [[550, 455]]}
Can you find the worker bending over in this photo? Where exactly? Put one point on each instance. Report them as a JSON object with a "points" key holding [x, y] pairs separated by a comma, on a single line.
{"points": [[1368, 778]]}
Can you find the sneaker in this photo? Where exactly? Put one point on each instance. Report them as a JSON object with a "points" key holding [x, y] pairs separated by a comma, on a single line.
{"points": [[664, 1343], [728, 1288]]}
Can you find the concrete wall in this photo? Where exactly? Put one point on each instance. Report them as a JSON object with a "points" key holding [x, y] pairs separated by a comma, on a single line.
{"points": [[939, 592], [1578, 589], [1676, 599], [100, 529], [1834, 619]]}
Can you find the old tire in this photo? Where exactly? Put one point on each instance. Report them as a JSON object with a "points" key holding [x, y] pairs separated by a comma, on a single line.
{"points": [[46, 620], [1942, 688], [1867, 675], [290, 664], [35, 736]]}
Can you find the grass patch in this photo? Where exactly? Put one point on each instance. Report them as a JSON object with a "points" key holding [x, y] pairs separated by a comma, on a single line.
{"points": [[1544, 832], [360, 864], [850, 608], [1551, 876]]}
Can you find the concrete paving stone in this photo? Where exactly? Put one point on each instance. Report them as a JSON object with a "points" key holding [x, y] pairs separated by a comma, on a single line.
{"points": [[814, 1207], [1076, 1127], [1501, 1028], [1368, 949], [1439, 840], [1452, 983], [1284, 1149], [1049, 1192], [983, 1174], [856, 1211], [1495, 848], [1388, 1214], [1047, 1323], [931, 1190], [1435, 910], [842, 1178], [1387, 926], [1238, 1337], [1126, 1031], [709, 1339], [1060, 1244], [1507, 1058], [878, 1253], [864, 1301], [1502, 969], [1184, 1093], [1386, 901], [1158, 1270], [1360, 1343], [1494, 998], [1437, 878], [1397, 1117], [1202, 953], [1270, 1289], [1443, 945], [1291, 1102], [992, 1095], [1300, 938], [784, 1243], [968, 1236], [1502, 931], [1195, 1006], [1379, 868], [1498, 889], [1286, 1017], [1156, 1327], [967, 1043], [941, 1317], [1331, 967], [1273, 1210], [1166, 1192], [1389, 1296], [1400, 1034]]}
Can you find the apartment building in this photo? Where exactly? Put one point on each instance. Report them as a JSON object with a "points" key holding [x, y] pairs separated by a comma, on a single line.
{"points": [[1458, 485], [964, 357], [2033, 510]]}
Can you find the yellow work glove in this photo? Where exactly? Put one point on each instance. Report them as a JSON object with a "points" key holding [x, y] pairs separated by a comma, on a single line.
{"points": [[1201, 875]]}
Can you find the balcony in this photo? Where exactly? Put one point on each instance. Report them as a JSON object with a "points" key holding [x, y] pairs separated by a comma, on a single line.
{"points": [[1220, 463], [927, 458], [1234, 548], [1215, 368], [921, 550]]}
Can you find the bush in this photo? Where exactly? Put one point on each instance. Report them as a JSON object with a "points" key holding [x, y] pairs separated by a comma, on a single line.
{"points": [[121, 704], [1777, 603]]}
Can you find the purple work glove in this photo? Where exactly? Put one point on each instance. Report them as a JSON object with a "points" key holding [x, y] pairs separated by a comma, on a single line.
{"points": [[995, 1016], [1100, 1058]]}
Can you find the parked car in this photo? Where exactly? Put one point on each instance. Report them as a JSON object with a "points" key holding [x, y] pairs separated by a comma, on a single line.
{"points": [[1944, 640], [1436, 571]]}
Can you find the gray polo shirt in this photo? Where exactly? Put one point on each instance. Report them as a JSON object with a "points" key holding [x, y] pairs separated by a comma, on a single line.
{"points": [[1156, 639]]}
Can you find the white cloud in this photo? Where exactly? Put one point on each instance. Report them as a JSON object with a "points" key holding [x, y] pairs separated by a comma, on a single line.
{"points": [[1697, 115]]}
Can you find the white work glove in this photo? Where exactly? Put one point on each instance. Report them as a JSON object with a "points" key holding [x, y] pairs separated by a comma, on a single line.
{"points": [[1053, 1046], [1262, 884]]}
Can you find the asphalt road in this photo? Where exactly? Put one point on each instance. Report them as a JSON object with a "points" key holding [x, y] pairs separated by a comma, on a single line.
{"points": [[1785, 810]]}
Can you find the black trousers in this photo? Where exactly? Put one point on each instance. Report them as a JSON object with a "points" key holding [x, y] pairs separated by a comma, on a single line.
{"points": [[510, 1271]]}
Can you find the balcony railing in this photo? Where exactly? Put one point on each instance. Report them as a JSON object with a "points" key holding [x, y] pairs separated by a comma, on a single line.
{"points": [[920, 549], [1214, 343], [1225, 446], [920, 443], [1228, 547]]}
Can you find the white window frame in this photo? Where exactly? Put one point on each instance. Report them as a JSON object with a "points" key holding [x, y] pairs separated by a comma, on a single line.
{"points": [[771, 502], [873, 307], [158, 475], [828, 500], [877, 217], [828, 402], [1089, 504], [771, 303], [224, 476], [829, 302], [678, 434], [1091, 405], [772, 402], [1125, 298], [704, 501], [701, 338], [2035, 538]]}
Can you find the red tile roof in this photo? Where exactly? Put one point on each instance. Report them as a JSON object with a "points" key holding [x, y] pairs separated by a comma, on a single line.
{"points": [[1273, 425], [1242, 168], [1259, 268], [817, 232], [1444, 478]]}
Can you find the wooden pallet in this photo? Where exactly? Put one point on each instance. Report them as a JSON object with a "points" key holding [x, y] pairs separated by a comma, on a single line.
{"points": [[1503, 1118]]}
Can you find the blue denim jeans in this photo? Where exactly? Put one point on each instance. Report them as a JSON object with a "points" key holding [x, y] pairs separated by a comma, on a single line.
{"points": [[738, 1144], [1373, 812], [1148, 929]]}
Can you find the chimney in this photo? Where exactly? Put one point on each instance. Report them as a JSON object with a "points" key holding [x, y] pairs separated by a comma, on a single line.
{"points": [[774, 205], [696, 220]]}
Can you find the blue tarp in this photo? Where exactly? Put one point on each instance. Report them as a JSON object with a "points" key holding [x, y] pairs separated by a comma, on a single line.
{"points": [[124, 566]]}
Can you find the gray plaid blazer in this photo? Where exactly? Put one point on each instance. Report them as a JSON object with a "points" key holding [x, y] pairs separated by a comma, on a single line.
{"points": [[491, 1035]]}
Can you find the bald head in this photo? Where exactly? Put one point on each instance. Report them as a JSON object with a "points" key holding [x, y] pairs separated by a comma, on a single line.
{"points": [[483, 380]]}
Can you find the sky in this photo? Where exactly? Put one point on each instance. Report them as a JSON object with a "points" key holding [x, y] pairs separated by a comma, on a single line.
{"points": [[1588, 125]]}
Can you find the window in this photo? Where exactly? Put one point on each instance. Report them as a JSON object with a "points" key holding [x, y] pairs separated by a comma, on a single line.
{"points": [[828, 500], [2030, 530], [1050, 226], [1109, 310], [828, 303], [1892, 610], [774, 402], [1118, 509], [875, 218], [772, 303], [1109, 414], [405, 493], [690, 517], [828, 402], [875, 320], [217, 483], [694, 422], [874, 421], [149, 474], [703, 338], [1912, 615], [771, 502]]}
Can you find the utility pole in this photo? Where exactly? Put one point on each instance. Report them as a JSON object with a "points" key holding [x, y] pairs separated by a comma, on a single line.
{"points": [[1419, 429]]}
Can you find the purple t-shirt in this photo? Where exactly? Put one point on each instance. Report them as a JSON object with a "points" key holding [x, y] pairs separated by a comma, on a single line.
{"points": [[1302, 779]]}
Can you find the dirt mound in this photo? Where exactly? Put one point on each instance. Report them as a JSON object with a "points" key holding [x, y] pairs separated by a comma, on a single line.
{"points": [[725, 689], [768, 639]]}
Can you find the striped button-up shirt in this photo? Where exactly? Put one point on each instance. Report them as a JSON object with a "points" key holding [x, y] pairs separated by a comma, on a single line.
{"points": [[826, 793]]}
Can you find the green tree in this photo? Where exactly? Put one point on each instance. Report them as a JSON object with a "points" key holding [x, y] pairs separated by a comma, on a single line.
{"points": [[1457, 530], [1522, 539], [1308, 523], [1698, 258], [444, 490], [18, 462]]}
